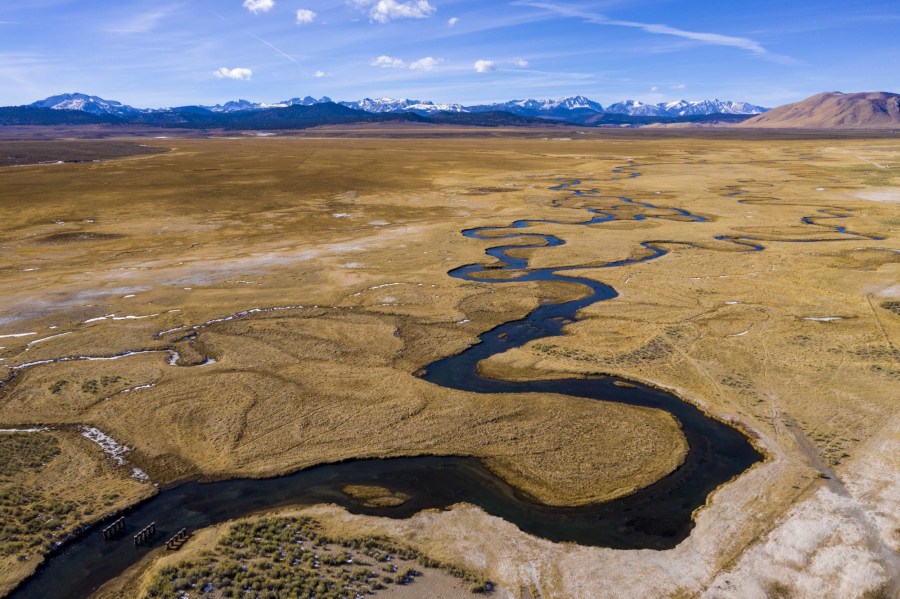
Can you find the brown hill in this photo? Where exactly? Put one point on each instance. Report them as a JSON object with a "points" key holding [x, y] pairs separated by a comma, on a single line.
{"points": [[834, 110]]}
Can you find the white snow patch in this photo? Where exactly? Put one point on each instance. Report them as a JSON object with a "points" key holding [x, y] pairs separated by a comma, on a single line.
{"points": [[140, 475], [389, 300], [42, 339], [374, 288], [161, 333], [107, 444], [245, 313], [138, 388], [17, 335], [466, 321], [352, 265], [114, 317], [731, 303], [88, 358], [23, 430], [823, 318], [741, 334], [341, 215]]}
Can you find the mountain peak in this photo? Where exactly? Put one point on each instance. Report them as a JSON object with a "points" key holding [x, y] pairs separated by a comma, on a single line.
{"points": [[84, 103], [835, 110]]}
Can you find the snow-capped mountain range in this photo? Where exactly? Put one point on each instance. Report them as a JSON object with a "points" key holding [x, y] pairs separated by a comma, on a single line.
{"points": [[575, 107], [85, 103]]}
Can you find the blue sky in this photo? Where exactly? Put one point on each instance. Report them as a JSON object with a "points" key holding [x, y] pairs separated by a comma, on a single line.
{"points": [[153, 53]]}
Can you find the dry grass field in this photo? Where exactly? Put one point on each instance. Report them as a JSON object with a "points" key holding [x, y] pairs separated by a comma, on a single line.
{"points": [[351, 237]]}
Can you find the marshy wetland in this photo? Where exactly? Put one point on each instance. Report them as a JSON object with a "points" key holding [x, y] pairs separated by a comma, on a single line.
{"points": [[238, 308]]}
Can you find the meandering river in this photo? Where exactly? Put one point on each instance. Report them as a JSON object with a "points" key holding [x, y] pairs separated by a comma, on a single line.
{"points": [[657, 517]]}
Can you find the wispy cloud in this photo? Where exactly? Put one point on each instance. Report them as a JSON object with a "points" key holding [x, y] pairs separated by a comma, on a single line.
{"points": [[451, 22], [426, 64], [715, 39], [238, 74], [258, 6], [143, 22], [521, 63]]}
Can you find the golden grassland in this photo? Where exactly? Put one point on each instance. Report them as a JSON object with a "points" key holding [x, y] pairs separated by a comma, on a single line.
{"points": [[797, 344]]}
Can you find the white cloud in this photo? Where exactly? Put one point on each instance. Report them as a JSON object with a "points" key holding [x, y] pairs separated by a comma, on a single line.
{"points": [[258, 6], [654, 88], [679, 86], [388, 10], [485, 66], [319, 74], [452, 22], [238, 74], [521, 63], [426, 64], [388, 62], [305, 16]]}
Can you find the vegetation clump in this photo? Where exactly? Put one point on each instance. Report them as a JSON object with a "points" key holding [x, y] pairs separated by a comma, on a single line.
{"points": [[26, 451], [292, 557], [30, 523]]}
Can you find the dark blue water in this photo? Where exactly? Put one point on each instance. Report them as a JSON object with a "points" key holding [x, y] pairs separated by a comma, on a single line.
{"points": [[657, 517]]}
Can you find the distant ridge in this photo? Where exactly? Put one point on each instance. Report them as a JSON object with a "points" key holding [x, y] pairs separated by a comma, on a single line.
{"points": [[834, 110], [577, 110]]}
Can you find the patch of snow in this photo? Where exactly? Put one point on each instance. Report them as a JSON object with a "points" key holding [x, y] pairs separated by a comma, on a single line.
{"points": [[42, 339], [23, 430], [823, 318], [374, 288], [138, 388], [140, 475], [107, 444], [17, 335], [161, 333], [731, 303], [741, 334], [465, 321], [245, 313], [341, 215]]}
